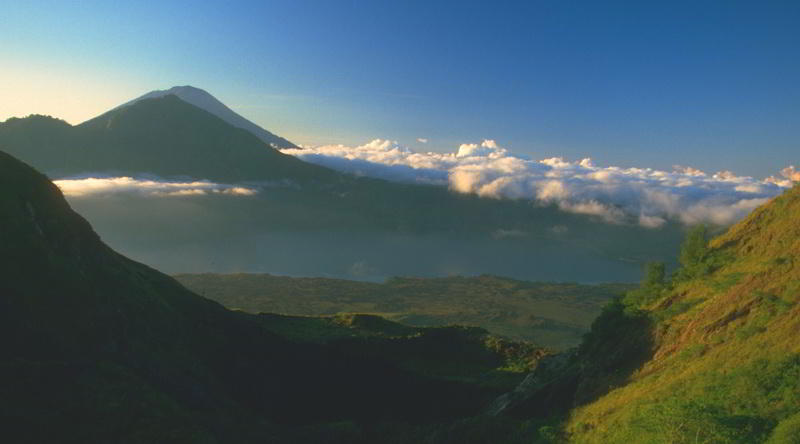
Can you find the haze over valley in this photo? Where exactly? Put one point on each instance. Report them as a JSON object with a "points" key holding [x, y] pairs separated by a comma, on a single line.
{"points": [[151, 177]]}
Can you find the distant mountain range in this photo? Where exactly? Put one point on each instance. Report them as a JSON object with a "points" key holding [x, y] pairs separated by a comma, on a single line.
{"points": [[305, 219], [206, 101], [165, 136]]}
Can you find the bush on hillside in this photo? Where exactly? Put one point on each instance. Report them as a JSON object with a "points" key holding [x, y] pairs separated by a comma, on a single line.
{"points": [[651, 288]]}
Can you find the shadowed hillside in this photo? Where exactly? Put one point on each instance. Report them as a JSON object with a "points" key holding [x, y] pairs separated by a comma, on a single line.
{"points": [[98, 348]]}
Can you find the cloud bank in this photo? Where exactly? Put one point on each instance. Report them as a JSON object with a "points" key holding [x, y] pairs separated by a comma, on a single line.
{"points": [[791, 174], [616, 195], [92, 186]]}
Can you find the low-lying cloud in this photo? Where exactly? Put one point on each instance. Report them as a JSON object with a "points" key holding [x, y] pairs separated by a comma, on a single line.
{"points": [[791, 173], [616, 195], [92, 186]]}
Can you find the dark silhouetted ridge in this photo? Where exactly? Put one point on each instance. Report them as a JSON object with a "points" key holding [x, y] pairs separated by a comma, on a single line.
{"points": [[99, 348]]}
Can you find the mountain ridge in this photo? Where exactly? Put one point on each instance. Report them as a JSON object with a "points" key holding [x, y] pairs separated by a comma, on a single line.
{"points": [[164, 136], [204, 100]]}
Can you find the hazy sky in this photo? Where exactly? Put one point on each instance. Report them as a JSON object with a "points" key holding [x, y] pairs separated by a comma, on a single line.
{"points": [[713, 85]]}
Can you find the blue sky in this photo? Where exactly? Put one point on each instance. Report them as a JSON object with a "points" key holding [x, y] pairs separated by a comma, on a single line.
{"points": [[713, 85]]}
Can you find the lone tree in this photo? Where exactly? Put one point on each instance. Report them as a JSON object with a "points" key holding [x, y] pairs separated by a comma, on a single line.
{"points": [[694, 252], [653, 284]]}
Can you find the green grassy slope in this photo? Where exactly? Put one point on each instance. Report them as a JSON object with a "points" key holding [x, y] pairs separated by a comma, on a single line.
{"points": [[551, 314], [711, 356], [98, 348]]}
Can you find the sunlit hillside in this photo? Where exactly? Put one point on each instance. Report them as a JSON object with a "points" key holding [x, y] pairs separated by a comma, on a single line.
{"points": [[710, 355]]}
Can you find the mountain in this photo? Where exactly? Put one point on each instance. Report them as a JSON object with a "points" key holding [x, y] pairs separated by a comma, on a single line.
{"points": [[163, 136], [710, 355], [206, 101], [99, 348], [308, 220]]}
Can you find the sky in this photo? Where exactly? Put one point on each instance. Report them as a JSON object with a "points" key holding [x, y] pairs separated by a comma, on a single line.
{"points": [[712, 85]]}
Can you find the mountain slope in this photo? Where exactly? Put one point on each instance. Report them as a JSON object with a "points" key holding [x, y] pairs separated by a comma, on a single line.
{"points": [[163, 136], [710, 356], [207, 102], [98, 348], [167, 136]]}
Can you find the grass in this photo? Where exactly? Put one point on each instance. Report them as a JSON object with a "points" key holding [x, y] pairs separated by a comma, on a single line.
{"points": [[554, 315], [725, 364]]}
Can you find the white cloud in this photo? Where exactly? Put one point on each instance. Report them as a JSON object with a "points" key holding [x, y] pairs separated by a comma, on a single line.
{"points": [[380, 158], [608, 213], [90, 186], [502, 234], [616, 195], [689, 171], [651, 221], [791, 174], [422, 140]]}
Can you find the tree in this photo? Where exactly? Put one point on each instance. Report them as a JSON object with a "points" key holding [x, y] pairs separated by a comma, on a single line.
{"points": [[694, 252], [654, 275], [652, 285]]}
